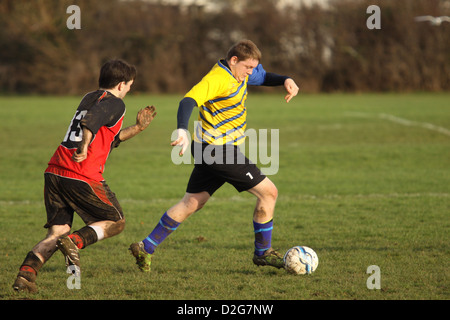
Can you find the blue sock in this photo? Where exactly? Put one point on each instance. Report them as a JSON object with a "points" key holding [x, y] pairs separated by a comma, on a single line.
{"points": [[165, 227], [263, 236]]}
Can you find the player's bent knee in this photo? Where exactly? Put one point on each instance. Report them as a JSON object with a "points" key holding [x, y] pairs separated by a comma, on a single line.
{"points": [[57, 231], [194, 205], [113, 228], [273, 192], [119, 226], [270, 191], [195, 202]]}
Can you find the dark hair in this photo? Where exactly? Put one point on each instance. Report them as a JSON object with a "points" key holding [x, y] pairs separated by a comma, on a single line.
{"points": [[243, 50], [115, 71]]}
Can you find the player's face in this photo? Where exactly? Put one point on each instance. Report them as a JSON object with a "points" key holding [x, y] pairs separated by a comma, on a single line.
{"points": [[125, 88], [242, 69]]}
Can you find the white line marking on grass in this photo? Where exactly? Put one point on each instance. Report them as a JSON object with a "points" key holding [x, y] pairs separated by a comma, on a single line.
{"points": [[407, 122], [402, 121]]}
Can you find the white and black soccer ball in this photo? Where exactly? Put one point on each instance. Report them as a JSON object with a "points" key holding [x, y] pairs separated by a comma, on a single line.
{"points": [[300, 260]]}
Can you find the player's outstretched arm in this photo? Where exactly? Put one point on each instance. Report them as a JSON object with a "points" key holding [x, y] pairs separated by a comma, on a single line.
{"points": [[263, 78], [143, 119]]}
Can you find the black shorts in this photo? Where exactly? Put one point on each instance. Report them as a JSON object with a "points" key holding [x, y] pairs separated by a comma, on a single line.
{"points": [[215, 165], [92, 201]]}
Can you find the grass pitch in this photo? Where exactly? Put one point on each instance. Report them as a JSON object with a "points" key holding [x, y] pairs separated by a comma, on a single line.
{"points": [[363, 180]]}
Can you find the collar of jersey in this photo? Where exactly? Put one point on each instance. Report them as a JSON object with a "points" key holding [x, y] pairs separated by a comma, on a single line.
{"points": [[224, 65]]}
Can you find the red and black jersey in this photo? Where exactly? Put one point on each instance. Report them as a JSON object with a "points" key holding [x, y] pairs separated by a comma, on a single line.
{"points": [[102, 113]]}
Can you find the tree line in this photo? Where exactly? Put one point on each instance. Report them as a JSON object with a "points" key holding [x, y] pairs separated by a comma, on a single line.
{"points": [[325, 49]]}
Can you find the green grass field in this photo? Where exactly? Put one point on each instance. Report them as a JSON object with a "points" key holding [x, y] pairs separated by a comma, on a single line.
{"points": [[363, 179]]}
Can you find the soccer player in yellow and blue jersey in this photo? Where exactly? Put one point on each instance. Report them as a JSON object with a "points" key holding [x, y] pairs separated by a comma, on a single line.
{"points": [[220, 97]]}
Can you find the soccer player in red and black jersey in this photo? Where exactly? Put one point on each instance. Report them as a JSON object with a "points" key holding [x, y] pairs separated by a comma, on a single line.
{"points": [[73, 179]]}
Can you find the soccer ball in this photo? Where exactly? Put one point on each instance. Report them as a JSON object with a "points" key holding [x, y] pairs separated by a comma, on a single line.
{"points": [[300, 260]]}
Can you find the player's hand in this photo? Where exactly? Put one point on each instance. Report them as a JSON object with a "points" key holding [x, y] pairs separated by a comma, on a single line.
{"points": [[291, 88], [145, 116], [182, 141], [82, 151], [79, 156]]}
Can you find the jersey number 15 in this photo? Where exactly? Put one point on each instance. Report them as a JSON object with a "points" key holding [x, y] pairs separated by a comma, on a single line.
{"points": [[74, 134]]}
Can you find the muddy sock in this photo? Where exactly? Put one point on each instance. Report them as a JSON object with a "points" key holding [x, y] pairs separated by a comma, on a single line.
{"points": [[84, 237], [263, 236], [30, 267]]}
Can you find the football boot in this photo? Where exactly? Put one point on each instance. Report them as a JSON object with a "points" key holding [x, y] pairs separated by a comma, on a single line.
{"points": [[143, 258], [269, 258]]}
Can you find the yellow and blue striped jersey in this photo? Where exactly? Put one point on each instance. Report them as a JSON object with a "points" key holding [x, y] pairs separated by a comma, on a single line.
{"points": [[221, 101]]}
